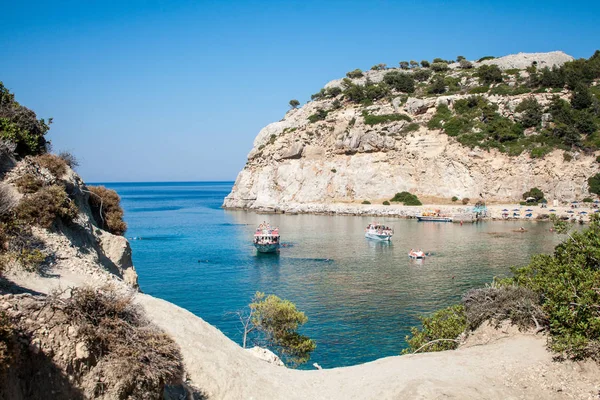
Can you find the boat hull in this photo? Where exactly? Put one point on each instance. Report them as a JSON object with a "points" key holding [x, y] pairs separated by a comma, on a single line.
{"points": [[376, 236], [434, 219], [267, 248]]}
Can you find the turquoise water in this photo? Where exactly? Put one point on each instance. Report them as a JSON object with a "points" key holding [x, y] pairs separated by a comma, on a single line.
{"points": [[361, 296]]}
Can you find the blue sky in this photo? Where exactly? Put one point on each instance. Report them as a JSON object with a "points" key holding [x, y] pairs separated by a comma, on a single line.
{"points": [[177, 90]]}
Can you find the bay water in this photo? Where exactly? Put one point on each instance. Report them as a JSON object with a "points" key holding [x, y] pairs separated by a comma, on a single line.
{"points": [[361, 296]]}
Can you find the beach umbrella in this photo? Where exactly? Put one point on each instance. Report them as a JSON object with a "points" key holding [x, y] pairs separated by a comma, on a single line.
{"points": [[596, 201], [573, 202], [582, 212], [530, 198], [505, 209], [570, 212], [553, 210], [529, 209], [544, 201], [515, 209], [596, 210]]}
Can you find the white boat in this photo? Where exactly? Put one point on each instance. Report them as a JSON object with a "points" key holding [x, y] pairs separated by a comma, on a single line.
{"points": [[266, 239], [434, 216], [417, 255], [379, 232]]}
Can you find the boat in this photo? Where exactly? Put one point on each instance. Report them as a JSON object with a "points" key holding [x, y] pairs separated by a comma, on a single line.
{"points": [[416, 254], [434, 216], [266, 239], [377, 231]]}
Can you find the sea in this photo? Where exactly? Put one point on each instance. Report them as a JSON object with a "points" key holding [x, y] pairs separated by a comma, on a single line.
{"points": [[361, 296]]}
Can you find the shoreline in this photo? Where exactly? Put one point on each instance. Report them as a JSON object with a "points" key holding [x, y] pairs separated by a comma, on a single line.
{"points": [[460, 213]]}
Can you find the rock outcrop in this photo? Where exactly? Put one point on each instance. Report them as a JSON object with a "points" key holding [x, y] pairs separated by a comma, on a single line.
{"points": [[341, 158]]}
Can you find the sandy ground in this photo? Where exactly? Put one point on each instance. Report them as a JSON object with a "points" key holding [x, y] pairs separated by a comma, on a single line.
{"points": [[492, 364]]}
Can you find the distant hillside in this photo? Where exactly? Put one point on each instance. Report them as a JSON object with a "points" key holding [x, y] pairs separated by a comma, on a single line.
{"points": [[492, 128]]}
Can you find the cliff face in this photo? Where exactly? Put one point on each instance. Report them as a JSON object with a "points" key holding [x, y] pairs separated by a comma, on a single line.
{"points": [[342, 158]]}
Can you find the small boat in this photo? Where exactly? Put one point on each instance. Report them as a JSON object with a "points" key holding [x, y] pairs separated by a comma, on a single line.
{"points": [[266, 239], [417, 255], [434, 216], [379, 232]]}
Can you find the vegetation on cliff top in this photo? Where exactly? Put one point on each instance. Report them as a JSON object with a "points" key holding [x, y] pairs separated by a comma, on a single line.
{"points": [[20, 125], [571, 121]]}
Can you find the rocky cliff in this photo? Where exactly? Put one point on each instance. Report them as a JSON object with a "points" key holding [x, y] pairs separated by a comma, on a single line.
{"points": [[332, 150]]}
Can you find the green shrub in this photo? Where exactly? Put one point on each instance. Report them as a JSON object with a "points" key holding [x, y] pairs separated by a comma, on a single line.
{"points": [[413, 64], [380, 119], [489, 74], [357, 73], [594, 184], [567, 282], [501, 90], [540, 152], [479, 90], [425, 64], [386, 203], [520, 90], [454, 199], [465, 201], [531, 112], [598, 159], [536, 193], [588, 200], [408, 199], [464, 64], [45, 207], [20, 126], [442, 113], [439, 331], [400, 81], [294, 103], [403, 64], [437, 86], [567, 156], [106, 209], [439, 67], [378, 67], [413, 126], [320, 115], [30, 259], [486, 58], [366, 202], [422, 75], [581, 98]]}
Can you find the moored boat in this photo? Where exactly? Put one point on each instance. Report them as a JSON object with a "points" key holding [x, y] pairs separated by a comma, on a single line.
{"points": [[418, 254], [266, 239], [379, 232], [434, 216]]}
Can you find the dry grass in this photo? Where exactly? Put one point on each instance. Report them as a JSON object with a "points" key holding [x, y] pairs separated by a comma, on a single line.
{"points": [[134, 358], [56, 165], [518, 304], [106, 208], [45, 206], [7, 200], [28, 183], [69, 159]]}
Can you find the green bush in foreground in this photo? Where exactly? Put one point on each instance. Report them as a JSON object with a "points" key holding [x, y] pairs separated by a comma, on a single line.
{"points": [[454, 198], [568, 282], [439, 331], [274, 322], [386, 203], [366, 202], [594, 184]]}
